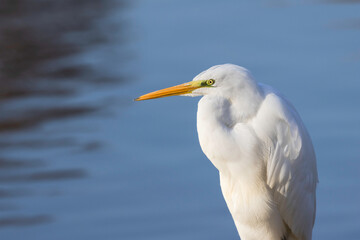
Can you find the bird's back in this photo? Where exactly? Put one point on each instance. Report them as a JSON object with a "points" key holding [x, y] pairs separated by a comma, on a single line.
{"points": [[291, 170]]}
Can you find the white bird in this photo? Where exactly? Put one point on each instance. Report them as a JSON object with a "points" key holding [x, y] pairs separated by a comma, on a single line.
{"points": [[259, 144]]}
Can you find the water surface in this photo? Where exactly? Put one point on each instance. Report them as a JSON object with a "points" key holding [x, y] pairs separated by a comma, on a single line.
{"points": [[80, 160]]}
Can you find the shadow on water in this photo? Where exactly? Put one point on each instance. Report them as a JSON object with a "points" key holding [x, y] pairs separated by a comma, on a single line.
{"points": [[42, 72]]}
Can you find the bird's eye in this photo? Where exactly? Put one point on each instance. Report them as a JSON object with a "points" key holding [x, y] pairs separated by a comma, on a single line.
{"points": [[210, 82]]}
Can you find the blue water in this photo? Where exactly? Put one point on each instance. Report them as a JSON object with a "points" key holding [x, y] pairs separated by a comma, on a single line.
{"points": [[80, 160]]}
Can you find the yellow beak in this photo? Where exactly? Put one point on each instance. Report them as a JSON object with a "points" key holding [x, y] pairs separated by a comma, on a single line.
{"points": [[172, 91]]}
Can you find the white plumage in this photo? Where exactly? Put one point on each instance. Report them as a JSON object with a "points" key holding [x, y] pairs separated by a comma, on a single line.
{"points": [[265, 158]]}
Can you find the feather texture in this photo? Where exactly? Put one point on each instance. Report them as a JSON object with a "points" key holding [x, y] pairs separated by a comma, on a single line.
{"points": [[266, 161]]}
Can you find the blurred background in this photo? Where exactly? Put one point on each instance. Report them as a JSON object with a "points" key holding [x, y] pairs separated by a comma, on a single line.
{"points": [[80, 160]]}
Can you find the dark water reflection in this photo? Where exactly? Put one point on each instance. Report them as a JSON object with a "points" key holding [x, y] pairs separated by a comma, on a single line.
{"points": [[42, 176], [42, 73], [25, 221]]}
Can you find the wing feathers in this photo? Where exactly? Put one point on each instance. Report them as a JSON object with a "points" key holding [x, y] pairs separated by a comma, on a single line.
{"points": [[291, 165]]}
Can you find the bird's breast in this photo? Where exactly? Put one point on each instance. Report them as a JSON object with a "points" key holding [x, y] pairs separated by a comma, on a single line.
{"points": [[235, 149], [213, 125], [229, 145]]}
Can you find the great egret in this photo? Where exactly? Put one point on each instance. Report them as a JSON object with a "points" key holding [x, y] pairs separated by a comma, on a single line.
{"points": [[263, 152]]}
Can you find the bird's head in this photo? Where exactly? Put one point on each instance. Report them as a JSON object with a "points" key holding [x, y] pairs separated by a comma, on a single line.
{"points": [[218, 80]]}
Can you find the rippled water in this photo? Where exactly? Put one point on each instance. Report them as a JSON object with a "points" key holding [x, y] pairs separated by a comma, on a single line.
{"points": [[80, 160]]}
